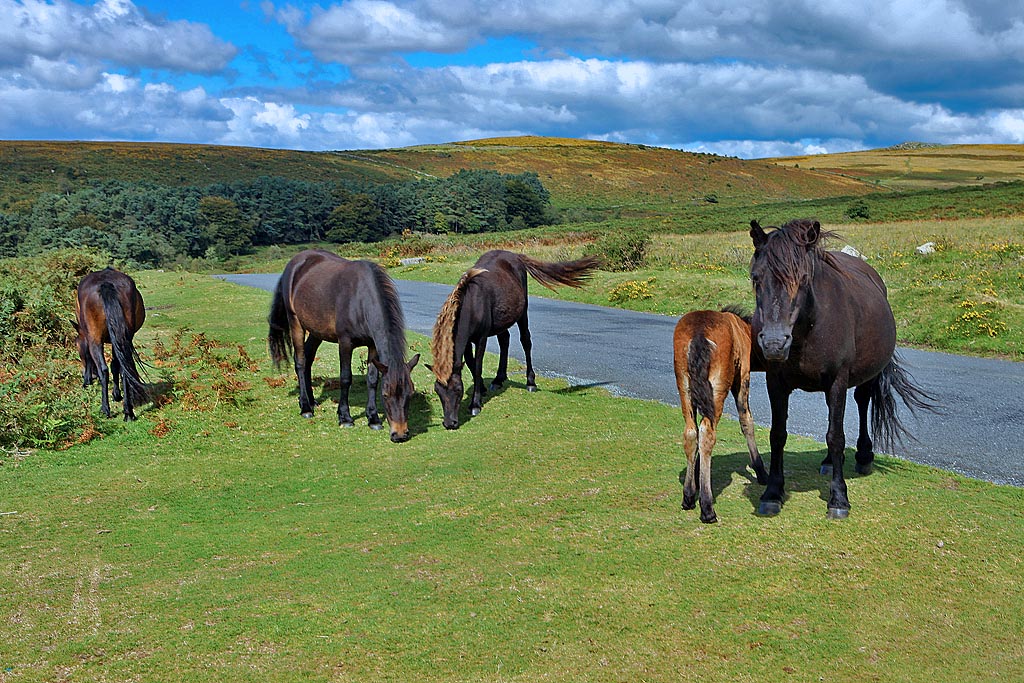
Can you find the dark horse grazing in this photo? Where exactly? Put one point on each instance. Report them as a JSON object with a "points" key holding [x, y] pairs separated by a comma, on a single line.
{"points": [[110, 310], [712, 359], [489, 298], [823, 323], [323, 297]]}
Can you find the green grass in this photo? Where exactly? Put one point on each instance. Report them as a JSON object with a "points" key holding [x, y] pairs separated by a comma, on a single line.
{"points": [[542, 540]]}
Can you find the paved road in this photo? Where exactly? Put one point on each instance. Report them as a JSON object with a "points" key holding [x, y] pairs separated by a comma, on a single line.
{"points": [[980, 433]]}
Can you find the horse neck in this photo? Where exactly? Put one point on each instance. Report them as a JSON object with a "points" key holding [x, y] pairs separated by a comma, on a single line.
{"points": [[388, 333]]}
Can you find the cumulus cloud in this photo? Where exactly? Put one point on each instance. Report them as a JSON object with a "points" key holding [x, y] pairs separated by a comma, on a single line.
{"points": [[762, 78], [35, 33]]}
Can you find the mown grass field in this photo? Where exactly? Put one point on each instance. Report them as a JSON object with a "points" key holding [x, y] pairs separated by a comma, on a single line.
{"points": [[222, 537]]}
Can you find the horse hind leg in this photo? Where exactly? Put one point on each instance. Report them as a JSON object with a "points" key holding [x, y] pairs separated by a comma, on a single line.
{"points": [[527, 341], [707, 438], [502, 375], [99, 363], [865, 448], [690, 447]]}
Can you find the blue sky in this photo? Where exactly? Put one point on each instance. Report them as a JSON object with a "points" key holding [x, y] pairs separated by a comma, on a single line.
{"points": [[750, 79]]}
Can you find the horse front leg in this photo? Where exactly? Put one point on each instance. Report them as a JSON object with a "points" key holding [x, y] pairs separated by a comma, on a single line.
{"points": [[527, 342], [835, 438], [502, 375], [771, 499], [372, 379], [742, 398], [476, 367], [865, 449], [345, 380]]}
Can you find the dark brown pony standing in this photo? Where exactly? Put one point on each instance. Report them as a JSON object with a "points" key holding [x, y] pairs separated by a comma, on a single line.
{"points": [[712, 359], [823, 323], [489, 298], [109, 310], [323, 297]]}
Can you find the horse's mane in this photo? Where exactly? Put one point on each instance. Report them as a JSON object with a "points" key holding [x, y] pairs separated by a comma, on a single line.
{"points": [[394, 320], [737, 310], [792, 250], [442, 343]]}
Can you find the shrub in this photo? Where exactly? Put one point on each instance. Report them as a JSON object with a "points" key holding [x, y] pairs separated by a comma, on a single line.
{"points": [[621, 251]]}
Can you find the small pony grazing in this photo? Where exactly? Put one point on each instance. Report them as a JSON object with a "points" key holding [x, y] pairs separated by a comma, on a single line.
{"points": [[109, 309], [489, 298], [823, 323], [323, 297], [713, 358]]}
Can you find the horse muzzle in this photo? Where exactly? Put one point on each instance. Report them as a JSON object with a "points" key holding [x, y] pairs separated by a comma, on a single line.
{"points": [[775, 348]]}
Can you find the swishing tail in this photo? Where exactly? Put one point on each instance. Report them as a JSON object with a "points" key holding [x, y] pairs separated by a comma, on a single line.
{"points": [[279, 338], [698, 361], [569, 273], [121, 346], [886, 426]]}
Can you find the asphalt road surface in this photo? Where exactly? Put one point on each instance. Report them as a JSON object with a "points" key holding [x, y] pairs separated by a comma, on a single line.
{"points": [[980, 432]]}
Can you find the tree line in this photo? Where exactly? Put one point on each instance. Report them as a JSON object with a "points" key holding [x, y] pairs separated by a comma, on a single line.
{"points": [[156, 225]]}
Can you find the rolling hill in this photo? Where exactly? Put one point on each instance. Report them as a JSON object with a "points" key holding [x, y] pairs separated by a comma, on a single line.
{"points": [[916, 166], [578, 173]]}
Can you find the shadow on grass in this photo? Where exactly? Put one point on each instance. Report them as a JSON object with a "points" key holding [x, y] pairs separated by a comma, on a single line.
{"points": [[420, 412], [803, 474]]}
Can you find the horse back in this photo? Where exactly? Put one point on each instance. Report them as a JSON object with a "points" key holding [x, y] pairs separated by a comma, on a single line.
{"points": [[496, 298], [89, 304], [324, 291], [728, 338]]}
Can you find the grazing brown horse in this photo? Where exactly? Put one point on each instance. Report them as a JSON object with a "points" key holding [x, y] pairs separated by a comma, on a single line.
{"points": [[110, 310], [823, 323], [323, 297], [712, 359], [489, 298]]}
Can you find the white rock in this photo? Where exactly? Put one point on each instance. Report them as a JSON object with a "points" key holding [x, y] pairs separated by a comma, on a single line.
{"points": [[853, 252], [926, 248]]}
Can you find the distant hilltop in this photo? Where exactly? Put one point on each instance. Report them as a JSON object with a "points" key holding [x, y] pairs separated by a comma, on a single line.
{"points": [[913, 145]]}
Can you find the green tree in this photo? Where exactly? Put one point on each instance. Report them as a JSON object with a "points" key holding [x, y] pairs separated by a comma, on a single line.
{"points": [[228, 229], [355, 219]]}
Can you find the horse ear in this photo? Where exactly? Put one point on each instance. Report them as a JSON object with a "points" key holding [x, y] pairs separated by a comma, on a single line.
{"points": [[74, 324], [428, 366], [813, 233], [757, 234], [413, 361], [380, 366]]}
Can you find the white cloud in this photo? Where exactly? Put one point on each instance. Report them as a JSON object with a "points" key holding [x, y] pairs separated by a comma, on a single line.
{"points": [[111, 30]]}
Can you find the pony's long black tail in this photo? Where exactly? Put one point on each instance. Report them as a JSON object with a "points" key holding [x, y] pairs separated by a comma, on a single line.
{"points": [[569, 273], [698, 362], [122, 347], [887, 428], [279, 338]]}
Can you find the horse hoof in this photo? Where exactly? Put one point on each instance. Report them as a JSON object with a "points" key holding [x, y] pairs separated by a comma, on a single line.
{"points": [[376, 427], [826, 470], [474, 412], [838, 513], [862, 468], [769, 508], [531, 388], [493, 387], [710, 519], [346, 424], [308, 414], [688, 504]]}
